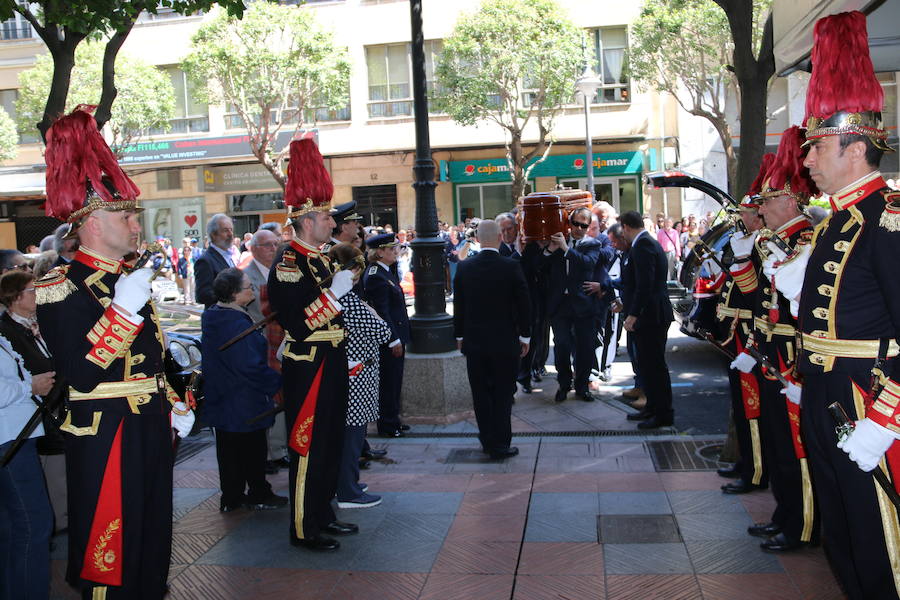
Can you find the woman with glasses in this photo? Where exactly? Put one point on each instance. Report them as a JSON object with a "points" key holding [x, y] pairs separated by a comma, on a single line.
{"points": [[238, 385]]}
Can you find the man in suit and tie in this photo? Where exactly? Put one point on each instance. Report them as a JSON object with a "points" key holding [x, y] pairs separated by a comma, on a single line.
{"points": [[217, 258], [648, 314], [570, 263], [492, 324], [509, 231]]}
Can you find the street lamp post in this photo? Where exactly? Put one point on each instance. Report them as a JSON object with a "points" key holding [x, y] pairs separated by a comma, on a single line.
{"points": [[586, 86], [431, 328]]}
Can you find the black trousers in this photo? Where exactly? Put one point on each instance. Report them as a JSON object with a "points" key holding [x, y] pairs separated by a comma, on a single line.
{"points": [[242, 466], [856, 523], [540, 348], [650, 349], [311, 502], [389, 387], [492, 378], [573, 335], [146, 493]]}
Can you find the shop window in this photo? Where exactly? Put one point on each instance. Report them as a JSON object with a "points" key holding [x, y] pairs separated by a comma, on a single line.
{"points": [[168, 179], [890, 167], [390, 77], [485, 201], [238, 203], [610, 54], [191, 116]]}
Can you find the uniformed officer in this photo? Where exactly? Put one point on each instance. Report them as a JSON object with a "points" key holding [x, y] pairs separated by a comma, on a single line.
{"points": [[849, 311], [383, 293], [105, 335], [735, 314], [345, 225], [788, 231], [305, 291]]}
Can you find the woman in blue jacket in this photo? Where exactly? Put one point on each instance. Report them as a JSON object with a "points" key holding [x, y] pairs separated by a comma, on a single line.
{"points": [[238, 384]]}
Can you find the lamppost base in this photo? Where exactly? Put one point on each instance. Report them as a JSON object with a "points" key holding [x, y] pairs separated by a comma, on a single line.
{"points": [[431, 334]]}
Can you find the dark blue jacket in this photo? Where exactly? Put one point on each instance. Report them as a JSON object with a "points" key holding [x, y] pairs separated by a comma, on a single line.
{"points": [[238, 383], [645, 294], [383, 293], [567, 274]]}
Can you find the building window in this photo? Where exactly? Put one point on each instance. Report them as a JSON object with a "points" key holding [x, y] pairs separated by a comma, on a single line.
{"points": [[165, 13], [259, 202], [168, 179], [190, 116], [16, 28], [313, 114], [8, 102], [610, 46], [485, 200], [390, 77]]}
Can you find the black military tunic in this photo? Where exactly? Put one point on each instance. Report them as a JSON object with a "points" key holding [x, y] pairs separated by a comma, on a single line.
{"points": [[774, 335], [315, 380], [118, 436], [849, 310]]}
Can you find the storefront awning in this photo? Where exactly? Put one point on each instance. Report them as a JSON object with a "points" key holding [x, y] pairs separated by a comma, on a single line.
{"points": [[565, 165], [21, 186]]}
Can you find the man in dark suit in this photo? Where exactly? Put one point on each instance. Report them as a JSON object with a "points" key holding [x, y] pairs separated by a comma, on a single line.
{"points": [[509, 231], [570, 263], [217, 257], [383, 292], [492, 323], [648, 314]]}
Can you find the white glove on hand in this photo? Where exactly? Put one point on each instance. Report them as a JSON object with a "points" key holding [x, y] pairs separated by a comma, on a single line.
{"points": [[742, 244], [793, 392], [743, 363], [866, 444], [133, 291], [775, 252], [182, 423], [768, 267], [341, 283], [789, 277]]}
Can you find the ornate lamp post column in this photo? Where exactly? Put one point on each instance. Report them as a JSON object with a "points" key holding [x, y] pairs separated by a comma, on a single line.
{"points": [[431, 326], [586, 86]]}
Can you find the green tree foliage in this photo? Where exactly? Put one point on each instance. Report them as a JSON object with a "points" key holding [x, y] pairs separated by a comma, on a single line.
{"points": [[64, 24], [9, 137], [272, 67], [146, 100], [707, 53], [512, 63]]}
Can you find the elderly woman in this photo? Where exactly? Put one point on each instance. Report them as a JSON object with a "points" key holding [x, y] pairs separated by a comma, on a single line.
{"points": [[238, 385], [19, 325], [366, 332], [26, 519]]}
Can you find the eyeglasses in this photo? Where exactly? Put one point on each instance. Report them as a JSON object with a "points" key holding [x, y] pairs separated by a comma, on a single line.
{"points": [[581, 225], [268, 245], [247, 287]]}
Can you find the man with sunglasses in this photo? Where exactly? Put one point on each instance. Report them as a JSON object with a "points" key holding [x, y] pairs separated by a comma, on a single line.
{"points": [[570, 262]]}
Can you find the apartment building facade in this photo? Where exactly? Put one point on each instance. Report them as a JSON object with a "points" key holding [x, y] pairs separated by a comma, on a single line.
{"points": [[203, 164]]}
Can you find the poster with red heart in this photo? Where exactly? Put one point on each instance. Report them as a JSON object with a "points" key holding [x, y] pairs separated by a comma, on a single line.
{"points": [[174, 219]]}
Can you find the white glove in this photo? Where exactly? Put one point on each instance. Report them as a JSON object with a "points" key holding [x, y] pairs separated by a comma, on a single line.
{"points": [[742, 244], [866, 444], [769, 267], [789, 276], [133, 292], [341, 283], [182, 423], [793, 392], [743, 363], [775, 253]]}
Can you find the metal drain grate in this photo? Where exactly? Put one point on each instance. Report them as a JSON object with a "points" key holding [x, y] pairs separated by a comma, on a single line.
{"points": [[684, 455], [663, 431], [188, 449], [637, 529]]}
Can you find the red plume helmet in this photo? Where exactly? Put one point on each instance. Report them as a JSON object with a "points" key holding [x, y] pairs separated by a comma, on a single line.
{"points": [[309, 185], [844, 96], [788, 175], [82, 172], [752, 201]]}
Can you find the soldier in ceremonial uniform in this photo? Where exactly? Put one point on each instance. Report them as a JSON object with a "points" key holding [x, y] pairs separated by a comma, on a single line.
{"points": [[383, 293], [105, 335], [849, 312], [735, 313], [786, 189], [305, 291]]}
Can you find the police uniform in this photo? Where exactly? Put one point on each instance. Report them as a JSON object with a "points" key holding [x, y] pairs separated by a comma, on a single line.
{"points": [[384, 294], [118, 438], [340, 213]]}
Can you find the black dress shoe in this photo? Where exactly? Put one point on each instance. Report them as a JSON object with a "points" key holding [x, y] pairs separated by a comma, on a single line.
{"points": [[764, 529], [268, 503], [319, 543], [526, 385], [373, 453], [404, 427], [536, 376], [390, 433], [226, 508], [741, 487], [341, 528], [586, 396], [502, 453], [654, 422], [728, 472], [271, 467], [639, 416], [561, 394], [781, 543]]}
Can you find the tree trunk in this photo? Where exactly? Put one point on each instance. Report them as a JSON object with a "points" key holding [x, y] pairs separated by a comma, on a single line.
{"points": [[262, 155], [63, 53], [753, 135], [109, 93], [517, 165]]}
